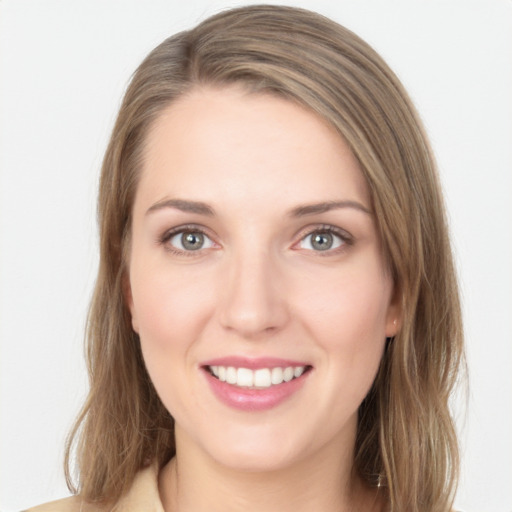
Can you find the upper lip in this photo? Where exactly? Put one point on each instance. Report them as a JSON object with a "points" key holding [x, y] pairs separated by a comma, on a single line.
{"points": [[253, 363]]}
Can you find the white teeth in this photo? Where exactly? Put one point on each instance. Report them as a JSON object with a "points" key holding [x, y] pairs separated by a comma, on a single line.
{"points": [[261, 378], [244, 377], [288, 374], [231, 375], [277, 375]]}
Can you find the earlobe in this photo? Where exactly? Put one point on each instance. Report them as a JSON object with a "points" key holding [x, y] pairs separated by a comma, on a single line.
{"points": [[128, 298], [394, 318], [135, 324], [392, 328]]}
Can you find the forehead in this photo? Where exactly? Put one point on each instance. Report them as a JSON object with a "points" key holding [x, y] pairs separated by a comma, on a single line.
{"points": [[230, 144]]}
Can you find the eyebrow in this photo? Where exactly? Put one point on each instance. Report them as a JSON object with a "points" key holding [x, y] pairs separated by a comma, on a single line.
{"points": [[312, 209], [183, 205], [201, 208]]}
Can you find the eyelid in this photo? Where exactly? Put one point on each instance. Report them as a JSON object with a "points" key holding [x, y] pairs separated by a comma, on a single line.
{"points": [[344, 235], [185, 228]]}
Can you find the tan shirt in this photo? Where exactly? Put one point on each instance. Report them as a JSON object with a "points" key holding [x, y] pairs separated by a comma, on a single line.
{"points": [[142, 497]]}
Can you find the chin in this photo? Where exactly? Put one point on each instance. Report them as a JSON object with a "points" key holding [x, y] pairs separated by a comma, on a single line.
{"points": [[256, 462], [257, 451]]}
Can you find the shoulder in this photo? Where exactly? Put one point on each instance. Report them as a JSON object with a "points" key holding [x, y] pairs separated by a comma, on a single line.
{"points": [[143, 495], [71, 504]]}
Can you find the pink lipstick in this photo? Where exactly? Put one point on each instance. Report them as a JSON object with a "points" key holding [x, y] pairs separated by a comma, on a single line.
{"points": [[254, 384]]}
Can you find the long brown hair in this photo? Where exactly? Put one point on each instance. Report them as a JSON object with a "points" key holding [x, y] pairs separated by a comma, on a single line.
{"points": [[406, 439]]}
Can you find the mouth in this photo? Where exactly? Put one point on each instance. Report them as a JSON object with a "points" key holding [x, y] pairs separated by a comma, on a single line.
{"points": [[261, 378]]}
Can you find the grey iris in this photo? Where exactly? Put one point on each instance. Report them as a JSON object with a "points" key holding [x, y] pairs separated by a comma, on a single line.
{"points": [[321, 241], [192, 241]]}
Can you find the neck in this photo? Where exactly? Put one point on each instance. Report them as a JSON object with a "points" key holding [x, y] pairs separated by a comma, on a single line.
{"points": [[194, 482]]}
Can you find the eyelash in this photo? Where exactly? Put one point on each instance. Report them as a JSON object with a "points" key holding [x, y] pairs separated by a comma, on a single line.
{"points": [[168, 235], [344, 236]]}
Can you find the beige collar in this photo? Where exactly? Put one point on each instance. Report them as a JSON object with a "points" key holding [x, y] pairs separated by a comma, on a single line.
{"points": [[143, 494]]}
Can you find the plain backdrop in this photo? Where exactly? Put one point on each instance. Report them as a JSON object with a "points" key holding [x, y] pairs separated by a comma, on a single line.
{"points": [[63, 68]]}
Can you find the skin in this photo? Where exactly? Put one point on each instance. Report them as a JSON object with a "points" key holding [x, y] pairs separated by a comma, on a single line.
{"points": [[258, 288]]}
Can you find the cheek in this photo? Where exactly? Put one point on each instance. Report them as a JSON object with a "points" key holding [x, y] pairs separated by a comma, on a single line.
{"points": [[166, 306], [169, 314], [347, 318], [352, 308]]}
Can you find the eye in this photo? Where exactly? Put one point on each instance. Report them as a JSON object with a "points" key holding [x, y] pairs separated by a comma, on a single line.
{"points": [[322, 240], [189, 240]]}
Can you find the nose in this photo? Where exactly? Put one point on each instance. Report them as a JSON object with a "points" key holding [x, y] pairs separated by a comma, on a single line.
{"points": [[253, 300]]}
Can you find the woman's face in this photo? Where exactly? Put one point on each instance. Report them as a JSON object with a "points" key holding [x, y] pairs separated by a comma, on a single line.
{"points": [[257, 281]]}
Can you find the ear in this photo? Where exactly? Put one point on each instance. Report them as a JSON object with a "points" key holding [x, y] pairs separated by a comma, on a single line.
{"points": [[128, 299], [394, 313]]}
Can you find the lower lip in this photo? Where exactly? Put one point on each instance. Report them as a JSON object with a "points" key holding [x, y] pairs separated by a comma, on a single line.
{"points": [[247, 399]]}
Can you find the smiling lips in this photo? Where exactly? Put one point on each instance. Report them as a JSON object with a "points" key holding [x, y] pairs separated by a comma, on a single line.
{"points": [[255, 385], [260, 378]]}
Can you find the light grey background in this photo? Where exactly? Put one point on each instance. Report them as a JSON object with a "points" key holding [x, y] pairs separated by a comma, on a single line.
{"points": [[63, 68]]}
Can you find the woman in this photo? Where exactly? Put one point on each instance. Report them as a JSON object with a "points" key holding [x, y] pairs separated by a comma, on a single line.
{"points": [[276, 322]]}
